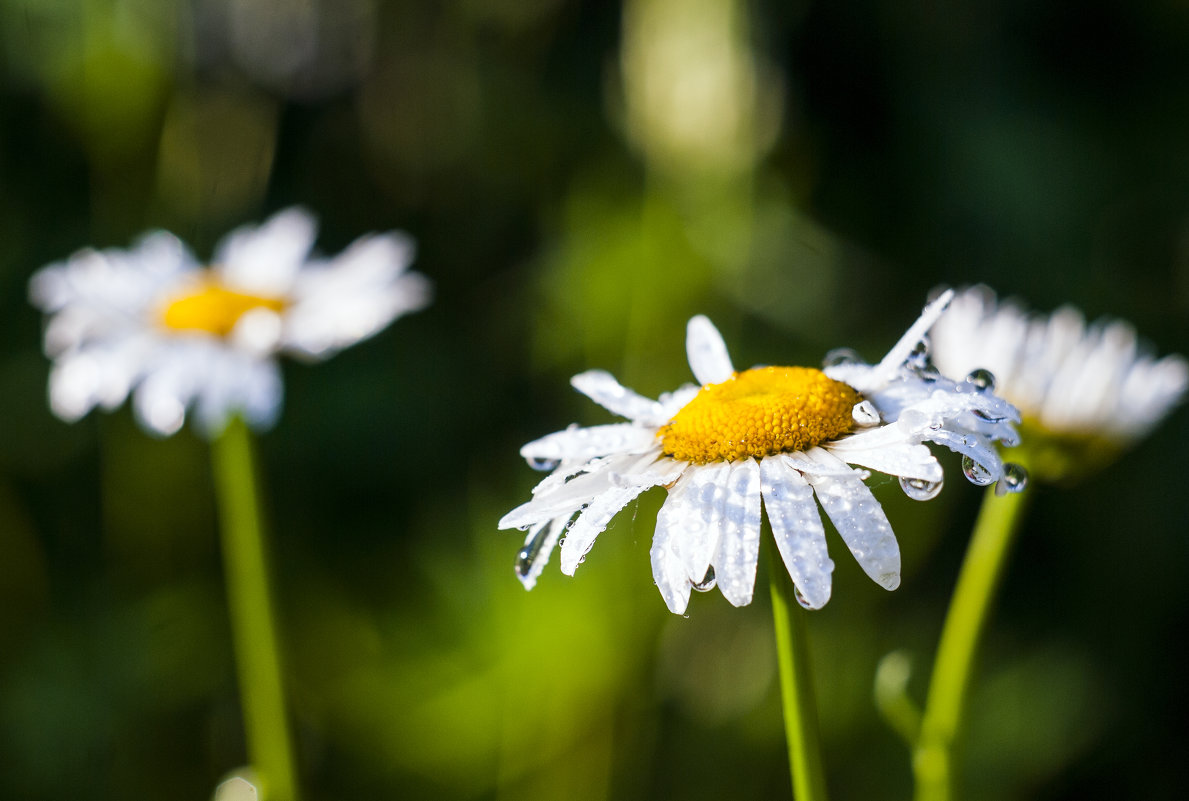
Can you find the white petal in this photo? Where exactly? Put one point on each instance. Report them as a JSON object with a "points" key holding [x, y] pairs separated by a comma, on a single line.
{"points": [[815, 461], [667, 568], [650, 471], [160, 401], [708, 358], [886, 449], [694, 513], [890, 364], [973, 445], [739, 548], [587, 443], [864, 527], [530, 572], [602, 388], [591, 523], [797, 527], [565, 498], [264, 260], [353, 296], [673, 402]]}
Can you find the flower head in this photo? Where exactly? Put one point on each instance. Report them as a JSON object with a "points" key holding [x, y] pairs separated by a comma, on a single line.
{"points": [[153, 323], [771, 437], [1085, 391]]}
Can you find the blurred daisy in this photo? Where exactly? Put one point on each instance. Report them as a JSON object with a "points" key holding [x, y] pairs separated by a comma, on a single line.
{"points": [[777, 435], [153, 323], [1085, 391]]}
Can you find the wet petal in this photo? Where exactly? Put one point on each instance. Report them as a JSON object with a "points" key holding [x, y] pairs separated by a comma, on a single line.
{"points": [[890, 364], [591, 523], [708, 357], [602, 388], [864, 527], [886, 450], [561, 499], [972, 445], [587, 443], [650, 471], [667, 568], [797, 527], [739, 548], [530, 572], [695, 514]]}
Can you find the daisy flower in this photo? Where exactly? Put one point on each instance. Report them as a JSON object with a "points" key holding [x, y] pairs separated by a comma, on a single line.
{"points": [[1085, 392], [770, 437], [152, 322]]}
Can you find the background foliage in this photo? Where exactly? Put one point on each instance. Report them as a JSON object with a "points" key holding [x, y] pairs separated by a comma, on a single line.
{"points": [[581, 178]]}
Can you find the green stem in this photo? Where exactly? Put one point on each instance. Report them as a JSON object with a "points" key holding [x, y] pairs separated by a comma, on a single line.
{"points": [[796, 684], [945, 707], [245, 560]]}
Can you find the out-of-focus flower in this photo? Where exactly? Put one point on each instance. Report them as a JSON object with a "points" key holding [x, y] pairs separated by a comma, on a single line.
{"points": [[151, 322], [780, 434], [1086, 392], [236, 788]]}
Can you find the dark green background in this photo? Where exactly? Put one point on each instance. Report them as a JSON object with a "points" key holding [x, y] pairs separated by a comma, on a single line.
{"points": [[1042, 148]]}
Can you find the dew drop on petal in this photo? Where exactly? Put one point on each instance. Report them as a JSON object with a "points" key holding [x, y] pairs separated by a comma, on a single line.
{"points": [[919, 489], [528, 554], [801, 598], [544, 465], [841, 356], [983, 380], [990, 418], [1015, 477], [865, 414], [708, 582], [978, 475]]}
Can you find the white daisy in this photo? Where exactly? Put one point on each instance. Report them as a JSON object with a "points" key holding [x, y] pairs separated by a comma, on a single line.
{"points": [[782, 435], [152, 322], [1085, 391]]}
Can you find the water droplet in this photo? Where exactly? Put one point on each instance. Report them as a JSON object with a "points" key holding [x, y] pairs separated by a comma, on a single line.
{"points": [[544, 465], [928, 372], [919, 489], [983, 380], [708, 582], [990, 418], [529, 553], [865, 413], [978, 475], [801, 598], [918, 361], [1015, 477], [840, 356]]}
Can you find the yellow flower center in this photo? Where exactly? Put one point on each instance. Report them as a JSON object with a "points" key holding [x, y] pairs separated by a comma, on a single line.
{"points": [[213, 308], [758, 413]]}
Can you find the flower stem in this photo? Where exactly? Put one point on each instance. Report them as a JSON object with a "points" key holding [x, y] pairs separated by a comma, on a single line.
{"points": [[258, 658], [796, 684], [945, 707]]}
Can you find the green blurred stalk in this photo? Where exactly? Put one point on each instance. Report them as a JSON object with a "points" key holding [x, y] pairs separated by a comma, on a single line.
{"points": [[933, 761], [796, 683], [258, 658]]}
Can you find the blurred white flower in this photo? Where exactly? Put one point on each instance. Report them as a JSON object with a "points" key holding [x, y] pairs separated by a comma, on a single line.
{"points": [[236, 788], [1085, 391], [782, 435], [151, 322]]}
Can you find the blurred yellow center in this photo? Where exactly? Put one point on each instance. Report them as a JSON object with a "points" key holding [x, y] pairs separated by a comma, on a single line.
{"points": [[758, 413], [213, 308]]}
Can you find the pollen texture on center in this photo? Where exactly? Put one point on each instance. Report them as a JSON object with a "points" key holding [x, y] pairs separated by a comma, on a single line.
{"points": [[758, 413]]}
